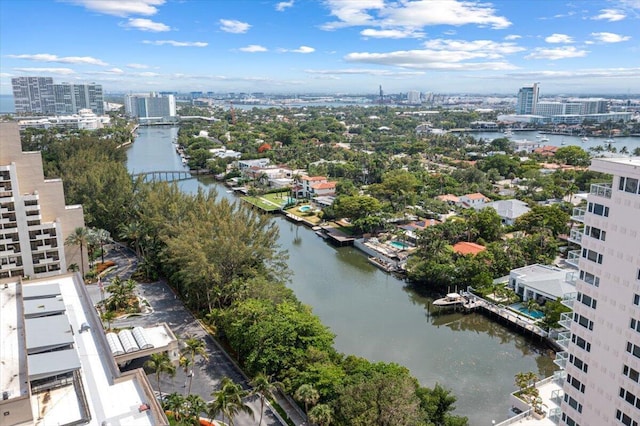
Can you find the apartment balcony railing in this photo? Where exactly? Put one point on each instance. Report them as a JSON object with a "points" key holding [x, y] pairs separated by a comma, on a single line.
{"points": [[563, 339], [561, 359], [568, 299], [601, 190], [578, 214], [575, 235], [566, 318], [559, 377], [571, 277], [573, 257], [555, 414]]}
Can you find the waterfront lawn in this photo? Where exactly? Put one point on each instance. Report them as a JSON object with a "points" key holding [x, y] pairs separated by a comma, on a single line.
{"points": [[261, 203], [310, 216], [279, 198]]}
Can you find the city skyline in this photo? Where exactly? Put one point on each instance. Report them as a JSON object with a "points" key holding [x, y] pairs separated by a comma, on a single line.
{"points": [[337, 46]]}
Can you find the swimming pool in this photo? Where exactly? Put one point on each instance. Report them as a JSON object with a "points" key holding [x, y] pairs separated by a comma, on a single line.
{"points": [[399, 245], [304, 209], [523, 310]]}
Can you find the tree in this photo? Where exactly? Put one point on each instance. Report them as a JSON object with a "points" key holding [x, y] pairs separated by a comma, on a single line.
{"points": [[186, 364], [228, 401], [573, 155], [121, 293], [552, 217], [308, 395], [174, 402], [160, 364], [193, 347], [263, 387], [321, 415], [488, 224], [356, 206], [79, 237], [107, 317], [193, 406]]}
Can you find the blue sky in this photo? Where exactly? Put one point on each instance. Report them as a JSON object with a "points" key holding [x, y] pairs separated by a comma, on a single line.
{"points": [[329, 46]]}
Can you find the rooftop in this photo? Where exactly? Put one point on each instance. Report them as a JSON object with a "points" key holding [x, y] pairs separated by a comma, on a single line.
{"points": [[464, 247]]}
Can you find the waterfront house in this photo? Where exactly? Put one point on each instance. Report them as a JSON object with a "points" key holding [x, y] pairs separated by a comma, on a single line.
{"points": [[314, 186], [465, 248], [543, 282], [411, 228]]}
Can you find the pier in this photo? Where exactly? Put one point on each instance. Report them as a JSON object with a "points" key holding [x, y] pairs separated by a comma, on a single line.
{"points": [[164, 175]]}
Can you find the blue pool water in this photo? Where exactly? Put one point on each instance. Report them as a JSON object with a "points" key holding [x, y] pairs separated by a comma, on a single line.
{"points": [[398, 244], [523, 309], [304, 209]]}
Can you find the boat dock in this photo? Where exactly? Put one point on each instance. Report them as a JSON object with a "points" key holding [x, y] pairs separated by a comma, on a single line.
{"points": [[337, 237]]}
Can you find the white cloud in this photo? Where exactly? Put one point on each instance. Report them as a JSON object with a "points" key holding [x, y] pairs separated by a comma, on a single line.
{"points": [[512, 37], [559, 38], [144, 24], [610, 37], [47, 57], [399, 33], [121, 8], [253, 48], [586, 73], [112, 71], [233, 26], [148, 74], [364, 71], [556, 53], [5, 75], [283, 5], [304, 49], [489, 48], [61, 71], [412, 14], [610, 15], [138, 66], [177, 43]]}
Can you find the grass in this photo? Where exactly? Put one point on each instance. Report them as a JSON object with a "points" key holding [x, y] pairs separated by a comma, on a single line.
{"points": [[261, 203], [309, 216], [277, 197]]}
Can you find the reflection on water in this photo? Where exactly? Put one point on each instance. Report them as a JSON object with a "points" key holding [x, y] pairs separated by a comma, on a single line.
{"points": [[378, 316]]}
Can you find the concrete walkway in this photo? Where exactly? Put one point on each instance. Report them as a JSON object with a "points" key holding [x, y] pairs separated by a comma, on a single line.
{"points": [[207, 375]]}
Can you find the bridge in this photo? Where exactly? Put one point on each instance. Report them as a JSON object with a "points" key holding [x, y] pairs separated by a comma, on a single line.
{"points": [[164, 175]]}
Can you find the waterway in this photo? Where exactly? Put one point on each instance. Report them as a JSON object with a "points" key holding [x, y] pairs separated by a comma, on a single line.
{"points": [[377, 316]]}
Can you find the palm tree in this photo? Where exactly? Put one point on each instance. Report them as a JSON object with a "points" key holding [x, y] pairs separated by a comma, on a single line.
{"points": [[79, 237], [263, 387], [228, 401], [307, 394], [174, 402], [186, 363], [321, 415], [160, 363], [103, 237], [193, 347], [108, 317], [193, 406], [121, 292]]}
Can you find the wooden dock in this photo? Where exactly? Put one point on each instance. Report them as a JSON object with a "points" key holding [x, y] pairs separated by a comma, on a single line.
{"points": [[337, 237]]}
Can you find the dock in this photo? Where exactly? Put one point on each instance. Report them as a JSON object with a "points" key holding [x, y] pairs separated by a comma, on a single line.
{"points": [[337, 237]]}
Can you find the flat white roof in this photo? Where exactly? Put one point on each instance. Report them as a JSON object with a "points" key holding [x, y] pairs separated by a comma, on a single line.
{"points": [[617, 165], [13, 371]]}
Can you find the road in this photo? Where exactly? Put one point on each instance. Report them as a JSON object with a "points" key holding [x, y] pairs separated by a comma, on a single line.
{"points": [[207, 374]]}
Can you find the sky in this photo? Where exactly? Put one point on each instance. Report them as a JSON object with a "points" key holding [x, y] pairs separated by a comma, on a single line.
{"points": [[326, 46]]}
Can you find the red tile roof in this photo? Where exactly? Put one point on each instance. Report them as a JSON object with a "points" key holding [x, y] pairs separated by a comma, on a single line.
{"points": [[324, 185], [313, 178], [464, 247]]}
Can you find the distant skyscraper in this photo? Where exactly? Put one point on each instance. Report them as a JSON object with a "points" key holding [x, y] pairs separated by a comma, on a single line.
{"points": [[527, 99], [413, 97], [39, 95], [33, 95], [152, 105]]}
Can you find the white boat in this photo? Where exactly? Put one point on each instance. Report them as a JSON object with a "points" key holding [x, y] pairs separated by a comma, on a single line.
{"points": [[609, 141], [451, 299], [385, 266], [584, 139], [544, 139]]}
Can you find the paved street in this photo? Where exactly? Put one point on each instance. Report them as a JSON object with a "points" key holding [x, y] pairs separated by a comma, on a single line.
{"points": [[168, 308]]}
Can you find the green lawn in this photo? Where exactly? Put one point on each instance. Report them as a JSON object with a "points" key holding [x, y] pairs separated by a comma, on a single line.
{"points": [[279, 198], [261, 203]]}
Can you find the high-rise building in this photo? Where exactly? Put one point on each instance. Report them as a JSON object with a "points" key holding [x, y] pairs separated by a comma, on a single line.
{"points": [[527, 99], [602, 344], [151, 105], [39, 95], [33, 95], [35, 221], [413, 97]]}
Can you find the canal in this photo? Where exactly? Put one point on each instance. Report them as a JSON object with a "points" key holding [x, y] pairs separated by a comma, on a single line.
{"points": [[377, 316]]}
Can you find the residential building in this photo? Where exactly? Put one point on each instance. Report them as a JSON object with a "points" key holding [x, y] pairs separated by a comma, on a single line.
{"points": [[57, 367], [543, 282], [258, 162], [473, 200], [602, 344], [315, 186], [84, 120], [39, 95], [413, 97], [508, 210], [35, 221], [527, 99], [151, 105], [33, 95], [465, 247]]}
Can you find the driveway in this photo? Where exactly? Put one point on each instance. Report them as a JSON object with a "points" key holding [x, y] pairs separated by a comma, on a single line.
{"points": [[168, 308]]}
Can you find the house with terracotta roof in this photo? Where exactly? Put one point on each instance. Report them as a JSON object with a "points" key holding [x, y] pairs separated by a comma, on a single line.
{"points": [[473, 200], [314, 186], [464, 248], [411, 228], [546, 150], [449, 198]]}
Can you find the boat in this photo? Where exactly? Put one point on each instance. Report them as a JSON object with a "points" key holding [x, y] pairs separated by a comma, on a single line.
{"points": [[609, 141], [544, 139], [451, 299], [385, 266], [584, 139]]}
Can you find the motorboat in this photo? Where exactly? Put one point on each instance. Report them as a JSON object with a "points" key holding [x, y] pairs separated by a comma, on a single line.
{"points": [[584, 139]]}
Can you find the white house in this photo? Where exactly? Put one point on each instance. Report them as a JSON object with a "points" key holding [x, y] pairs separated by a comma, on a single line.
{"points": [[542, 282], [508, 210], [473, 200], [315, 186]]}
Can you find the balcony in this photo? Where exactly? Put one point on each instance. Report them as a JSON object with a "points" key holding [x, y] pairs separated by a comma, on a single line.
{"points": [[561, 359], [578, 214], [573, 257], [566, 318], [575, 236], [601, 190], [563, 339], [571, 278], [568, 299]]}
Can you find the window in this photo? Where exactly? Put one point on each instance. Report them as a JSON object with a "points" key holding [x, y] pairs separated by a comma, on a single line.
{"points": [[631, 373], [636, 299], [635, 325], [568, 420], [598, 209], [587, 300], [628, 184], [629, 397], [638, 274], [590, 278], [575, 383], [583, 321], [581, 365], [633, 349], [573, 403], [581, 343], [592, 255], [596, 233]]}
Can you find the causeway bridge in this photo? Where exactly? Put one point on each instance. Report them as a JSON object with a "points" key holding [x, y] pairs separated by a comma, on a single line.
{"points": [[165, 175]]}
